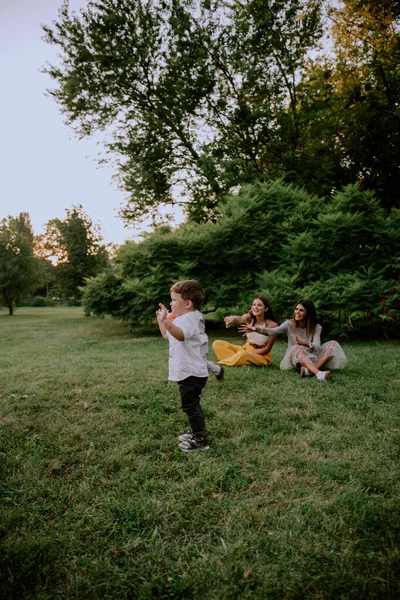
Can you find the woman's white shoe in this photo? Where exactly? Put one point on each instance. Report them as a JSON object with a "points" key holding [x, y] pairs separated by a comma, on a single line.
{"points": [[304, 372], [323, 375]]}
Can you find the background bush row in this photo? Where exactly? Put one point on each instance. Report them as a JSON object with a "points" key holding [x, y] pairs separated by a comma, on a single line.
{"points": [[275, 239]]}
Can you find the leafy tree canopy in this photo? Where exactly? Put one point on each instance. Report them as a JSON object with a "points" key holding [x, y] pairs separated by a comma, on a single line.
{"points": [[199, 95], [366, 37], [75, 245]]}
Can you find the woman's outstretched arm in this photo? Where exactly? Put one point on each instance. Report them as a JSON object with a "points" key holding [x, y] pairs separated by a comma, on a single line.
{"points": [[246, 318], [282, 328]]}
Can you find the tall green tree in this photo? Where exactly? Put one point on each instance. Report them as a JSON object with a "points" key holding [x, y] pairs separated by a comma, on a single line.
{"points": [[18, 266], [348, 105], [46, 275], [199, 95], [74, 243], [367, 43]]}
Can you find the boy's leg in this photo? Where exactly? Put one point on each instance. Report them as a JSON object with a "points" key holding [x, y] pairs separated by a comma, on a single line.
{"points": [[190, 391], [213, 368]]}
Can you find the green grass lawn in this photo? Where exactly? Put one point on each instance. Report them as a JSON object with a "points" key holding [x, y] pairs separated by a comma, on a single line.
{"points": [[299, 496]]}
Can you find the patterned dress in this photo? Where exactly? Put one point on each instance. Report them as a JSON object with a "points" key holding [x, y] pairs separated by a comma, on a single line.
{"points": [[337, 361]]}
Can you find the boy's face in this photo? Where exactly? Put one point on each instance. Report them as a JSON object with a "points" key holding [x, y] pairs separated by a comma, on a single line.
{"points": [[179, 306]]}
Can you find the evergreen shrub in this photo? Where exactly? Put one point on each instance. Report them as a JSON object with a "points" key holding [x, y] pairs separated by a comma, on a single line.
{"points": [[275, 239]]}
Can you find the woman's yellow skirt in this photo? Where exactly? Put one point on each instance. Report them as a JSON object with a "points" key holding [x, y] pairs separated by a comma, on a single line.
{"points": [[236, 356]]}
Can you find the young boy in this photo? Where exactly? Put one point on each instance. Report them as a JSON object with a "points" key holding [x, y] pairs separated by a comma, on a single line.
{"points": [[217, 370], [187, 365]]}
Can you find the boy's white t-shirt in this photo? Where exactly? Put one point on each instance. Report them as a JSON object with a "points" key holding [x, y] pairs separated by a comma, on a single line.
{"points": [[203, 336], [186, 358]]}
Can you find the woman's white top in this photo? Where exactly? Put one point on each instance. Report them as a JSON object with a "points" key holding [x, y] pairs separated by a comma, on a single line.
{"points": [[257, 338]]}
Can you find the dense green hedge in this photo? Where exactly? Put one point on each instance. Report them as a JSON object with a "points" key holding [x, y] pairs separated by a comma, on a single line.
{"points": [[275, 239]]}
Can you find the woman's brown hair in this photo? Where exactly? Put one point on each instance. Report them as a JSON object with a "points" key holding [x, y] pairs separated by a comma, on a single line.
{"points": [[268, 313], [311, 314]]}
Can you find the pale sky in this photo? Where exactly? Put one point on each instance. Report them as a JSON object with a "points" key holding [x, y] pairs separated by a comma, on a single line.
{"points": [[44, 167]]}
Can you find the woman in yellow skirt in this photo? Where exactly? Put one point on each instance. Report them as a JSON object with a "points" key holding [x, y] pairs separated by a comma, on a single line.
{"points": [[257, 349]]}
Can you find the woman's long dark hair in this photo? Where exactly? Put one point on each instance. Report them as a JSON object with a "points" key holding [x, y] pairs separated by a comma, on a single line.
{"points": [[311, 314], [268, 312]]}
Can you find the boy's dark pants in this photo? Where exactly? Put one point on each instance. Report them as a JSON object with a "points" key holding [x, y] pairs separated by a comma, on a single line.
{"points": [[190, 391]]}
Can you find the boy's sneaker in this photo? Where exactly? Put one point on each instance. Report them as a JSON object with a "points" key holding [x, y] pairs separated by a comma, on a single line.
{"points": [[305, 372], [220, 375], [323, 375], [193, 443], [185, 437]]}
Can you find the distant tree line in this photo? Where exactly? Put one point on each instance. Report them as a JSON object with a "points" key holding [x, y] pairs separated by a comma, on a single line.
{"points": [[53, 266]]}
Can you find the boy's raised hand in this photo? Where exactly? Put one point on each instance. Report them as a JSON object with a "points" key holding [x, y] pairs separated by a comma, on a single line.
{"points": [[162, 312], [168, 326]]}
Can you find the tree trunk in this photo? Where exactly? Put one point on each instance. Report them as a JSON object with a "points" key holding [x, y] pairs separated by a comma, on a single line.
{"points": [[10, 309]]}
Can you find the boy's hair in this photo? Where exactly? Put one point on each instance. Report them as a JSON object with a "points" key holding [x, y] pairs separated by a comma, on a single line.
{"points": [[189, 289]]}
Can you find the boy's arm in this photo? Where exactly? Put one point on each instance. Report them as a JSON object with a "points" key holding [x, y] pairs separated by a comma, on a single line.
{"points": [[165, 325], [160, 320], [163, 331], [175, 331]]}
